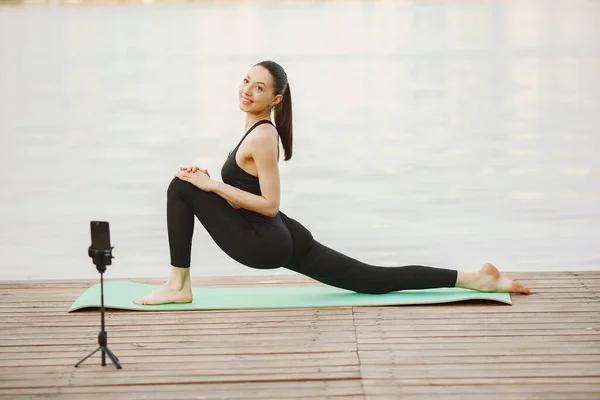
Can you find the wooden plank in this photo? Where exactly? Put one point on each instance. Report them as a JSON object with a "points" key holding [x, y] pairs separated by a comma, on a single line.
{"points": [[395, 319], [477, 392], [309, 314], [493, 324], [243, 390], [167, 369], [563, 391], [311, 359], [196, 344], [496, 396], [471, 310], [232, 349], [517, 343], [382, 371], [179, 317], [556, 337], [475, 340], [195, 395], [387, 358], [73, 380], [363, 334], [43, 321], [175, 342], [500, 332], [184, 362], [85, 332], [198, 392], [217, 335], [383, 350], [184, 349], [290, 326], [489, 373], [383, 386], [483, 381], [187, 359], [69, 361]]}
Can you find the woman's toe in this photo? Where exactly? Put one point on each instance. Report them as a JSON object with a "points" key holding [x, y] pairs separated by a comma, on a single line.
{"points": [[518, 288]]}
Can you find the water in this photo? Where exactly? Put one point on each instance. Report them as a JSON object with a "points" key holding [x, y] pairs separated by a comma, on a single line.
{"points": [[431, 132]]}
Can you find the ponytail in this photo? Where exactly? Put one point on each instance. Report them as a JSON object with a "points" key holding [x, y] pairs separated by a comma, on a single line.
{"points": [[283, 110], [283, 122]]}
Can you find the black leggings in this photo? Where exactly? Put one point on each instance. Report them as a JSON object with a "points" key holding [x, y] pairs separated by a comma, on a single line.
{"points": [[265, 243]]}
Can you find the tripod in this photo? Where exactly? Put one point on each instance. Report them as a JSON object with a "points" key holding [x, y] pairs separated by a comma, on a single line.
{"points": [[101, 259]]}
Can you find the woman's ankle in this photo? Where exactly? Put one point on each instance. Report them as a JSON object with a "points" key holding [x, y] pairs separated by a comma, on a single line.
{"points": [[179, 278], [465, 279]]}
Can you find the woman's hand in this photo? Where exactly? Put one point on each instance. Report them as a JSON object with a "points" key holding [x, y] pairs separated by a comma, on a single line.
{"points": [[194, 169], [198, 178]]}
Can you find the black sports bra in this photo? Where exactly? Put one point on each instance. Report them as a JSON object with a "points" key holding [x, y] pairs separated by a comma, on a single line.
{"points": [[234, 175]]}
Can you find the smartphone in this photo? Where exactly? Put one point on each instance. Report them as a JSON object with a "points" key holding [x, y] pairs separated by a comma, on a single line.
{"points": [[100, 235]]}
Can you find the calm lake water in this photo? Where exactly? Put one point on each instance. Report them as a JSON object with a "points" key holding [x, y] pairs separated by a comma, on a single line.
{"points": [[446, 133]]}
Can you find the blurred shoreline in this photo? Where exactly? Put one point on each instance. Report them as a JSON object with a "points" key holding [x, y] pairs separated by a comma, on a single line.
{"points": [[437, 133]]}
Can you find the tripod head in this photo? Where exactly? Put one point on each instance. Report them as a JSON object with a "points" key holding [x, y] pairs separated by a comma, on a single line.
{"points": [[101, 258], [100, 250]]}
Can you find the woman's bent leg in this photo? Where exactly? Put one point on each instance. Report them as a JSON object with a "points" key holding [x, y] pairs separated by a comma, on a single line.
{"points": [[230, 231], [180, 226], [326, 265], [252, 244]]}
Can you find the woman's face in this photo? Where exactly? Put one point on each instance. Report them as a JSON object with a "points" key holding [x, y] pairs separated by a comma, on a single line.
{"points": [[256, 91]]}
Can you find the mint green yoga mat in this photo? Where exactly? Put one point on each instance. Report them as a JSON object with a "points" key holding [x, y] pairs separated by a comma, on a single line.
{"points": [[121, 295]]}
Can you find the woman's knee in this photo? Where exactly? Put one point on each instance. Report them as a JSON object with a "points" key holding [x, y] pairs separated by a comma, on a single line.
{"points": [[174, 185], [177, 186]]}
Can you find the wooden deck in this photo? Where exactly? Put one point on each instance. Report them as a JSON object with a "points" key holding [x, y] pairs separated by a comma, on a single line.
{"points": [[545, 346]]}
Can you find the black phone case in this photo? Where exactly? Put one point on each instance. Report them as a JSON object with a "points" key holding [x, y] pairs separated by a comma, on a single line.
{"points": [[100, 235]]}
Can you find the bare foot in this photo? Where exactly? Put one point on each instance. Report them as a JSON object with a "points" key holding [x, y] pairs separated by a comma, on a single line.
{"points": [[488, 279], [168, 293]]}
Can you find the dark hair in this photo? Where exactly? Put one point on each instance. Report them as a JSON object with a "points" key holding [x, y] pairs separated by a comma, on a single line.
{"points": [[283, 110]]}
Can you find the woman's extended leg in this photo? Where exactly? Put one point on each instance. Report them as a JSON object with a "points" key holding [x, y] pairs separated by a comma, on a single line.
{"points": [[326, 265]]}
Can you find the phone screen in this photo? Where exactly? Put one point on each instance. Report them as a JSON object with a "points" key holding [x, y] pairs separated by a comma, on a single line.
{"points": [[100, 235]]}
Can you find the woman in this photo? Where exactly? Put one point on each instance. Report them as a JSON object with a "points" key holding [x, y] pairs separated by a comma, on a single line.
{"points": [[242, 213]]}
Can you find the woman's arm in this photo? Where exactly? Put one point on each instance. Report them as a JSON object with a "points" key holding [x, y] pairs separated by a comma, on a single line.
{"points": [[242, 199], [263, 149]]}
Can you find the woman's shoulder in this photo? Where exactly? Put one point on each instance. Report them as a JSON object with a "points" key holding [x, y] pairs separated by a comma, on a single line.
{"points": [[263, 134], [264, 142]]}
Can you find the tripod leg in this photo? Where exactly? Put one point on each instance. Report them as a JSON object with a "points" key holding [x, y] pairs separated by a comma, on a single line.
{"points": [[113, 354], [112, 357], [88, 356]]}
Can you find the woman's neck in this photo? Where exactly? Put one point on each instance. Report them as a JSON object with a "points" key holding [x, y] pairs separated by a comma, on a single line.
{"points": [[251, 119]]}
